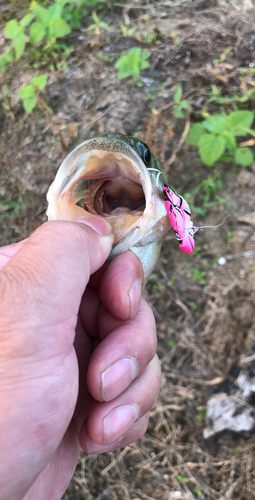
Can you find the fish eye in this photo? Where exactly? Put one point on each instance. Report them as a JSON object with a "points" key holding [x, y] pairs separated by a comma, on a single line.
{"points": [[147, 156]]}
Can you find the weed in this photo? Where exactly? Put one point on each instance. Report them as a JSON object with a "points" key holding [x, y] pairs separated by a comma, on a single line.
{"points": [[181, 107], [45, 25], [198, 275], [156, 287], [172, 281], [171, 344], [218, 133], [238, 453], [132, 63], [76, 10], [105, 58], [6, 98], [48, 25], [198, 490], [229, 237], [208, 186], [193, 305], [30, 93], [9, 207], [182, 478], [240, 95], [98, 25], [177, 40], [127, 31], [197, 249], [201, 414], [206, 264]]}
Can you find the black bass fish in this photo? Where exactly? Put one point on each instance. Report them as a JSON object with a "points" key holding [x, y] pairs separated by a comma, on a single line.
{"points": [[118, 178]]}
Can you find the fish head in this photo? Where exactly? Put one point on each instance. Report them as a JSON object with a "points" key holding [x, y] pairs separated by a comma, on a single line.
{"points": [[116, 177]]}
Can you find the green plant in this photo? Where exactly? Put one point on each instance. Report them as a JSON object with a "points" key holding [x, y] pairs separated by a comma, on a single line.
{"points": [[182, 478], [180, 107], [201, 414], [198, 275], [29, 93], [9, 207], [75, 10], [229, 237], [238, 95], [98, 25], [48, 25], [198, 490], [172, 281], [5, 97], [127, 31], [207, 187], [217, 135], [171, 344], [238, 453], [132, 63], [153, 277], [193, 305], [45, 25]]}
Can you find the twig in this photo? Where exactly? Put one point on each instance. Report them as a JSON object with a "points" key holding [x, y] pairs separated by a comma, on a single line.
{"points": [[179, 145]]}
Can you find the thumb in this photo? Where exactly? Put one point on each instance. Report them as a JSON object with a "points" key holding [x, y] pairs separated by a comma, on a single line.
{"points": [[45, 279]]}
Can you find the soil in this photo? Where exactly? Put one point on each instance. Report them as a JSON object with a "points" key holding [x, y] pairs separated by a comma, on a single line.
{"points": [[205, 321]]}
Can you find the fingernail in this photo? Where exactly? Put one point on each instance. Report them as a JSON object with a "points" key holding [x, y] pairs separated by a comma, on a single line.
{"points": [[118, 377], [98, 224], [118, 421], [135, 296], [91, 447]]}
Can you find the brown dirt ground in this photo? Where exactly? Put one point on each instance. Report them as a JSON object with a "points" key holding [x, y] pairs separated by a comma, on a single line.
{"points": [[208, 342]]}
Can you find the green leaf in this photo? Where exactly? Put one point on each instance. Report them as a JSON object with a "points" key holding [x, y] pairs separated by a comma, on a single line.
{"points": [[7, 57], [40, 81], [215, 123], [27, 92], [211, 147], [177, 111], [195, 132], [244, 157], [131, 63], [42, 15], [105, 26], [26, 20], [144, 65], [182, 478], [178, 93], [61, 28], [12, 29], [184, 104], [238, 120], [19, 43], [229, 138], [55, 11], [29, 104], [144, 54], [37, 32], [75, 19], [198, 490]]}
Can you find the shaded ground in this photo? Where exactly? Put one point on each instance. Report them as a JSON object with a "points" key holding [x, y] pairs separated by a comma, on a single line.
{"points": [[206, 324]]}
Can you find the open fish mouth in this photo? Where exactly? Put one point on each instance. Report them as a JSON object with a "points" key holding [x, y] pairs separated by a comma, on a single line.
{"points": [[107, 176]]}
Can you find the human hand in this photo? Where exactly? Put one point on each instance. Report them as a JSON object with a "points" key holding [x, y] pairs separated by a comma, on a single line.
{"points": [[50, 403]]}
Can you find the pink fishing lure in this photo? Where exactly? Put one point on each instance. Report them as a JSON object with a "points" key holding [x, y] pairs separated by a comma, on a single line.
{"points": [[179, 215]]}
